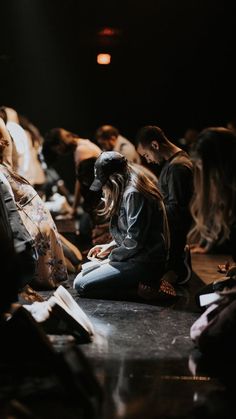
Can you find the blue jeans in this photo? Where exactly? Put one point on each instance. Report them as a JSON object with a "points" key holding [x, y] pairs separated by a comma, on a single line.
{"points": [[115, 279]]}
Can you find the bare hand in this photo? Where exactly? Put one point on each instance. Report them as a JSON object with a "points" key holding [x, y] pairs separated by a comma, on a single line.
{"points": [[98, 251]]}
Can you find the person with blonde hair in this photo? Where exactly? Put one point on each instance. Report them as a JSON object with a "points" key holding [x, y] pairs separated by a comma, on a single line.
{"points": [[214, 203], [138, 227]]}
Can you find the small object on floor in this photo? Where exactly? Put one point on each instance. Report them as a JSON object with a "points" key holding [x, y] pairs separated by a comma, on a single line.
{"points": [[162, 292], [207, 299], [223, 269], [208, 293]]}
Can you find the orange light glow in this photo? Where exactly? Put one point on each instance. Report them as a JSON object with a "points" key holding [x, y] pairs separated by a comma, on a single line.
{"points": [[103, 59]]}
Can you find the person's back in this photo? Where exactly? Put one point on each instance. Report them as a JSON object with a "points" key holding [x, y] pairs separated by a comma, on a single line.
{"points": [[60, 142], [84, 150], [147, 227], [176, 185]]}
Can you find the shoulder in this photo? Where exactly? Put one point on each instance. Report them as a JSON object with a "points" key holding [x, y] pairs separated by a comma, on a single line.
{"points": [[86, 149], [131, 194], [182, 160], [82, 144], [181, 164]]}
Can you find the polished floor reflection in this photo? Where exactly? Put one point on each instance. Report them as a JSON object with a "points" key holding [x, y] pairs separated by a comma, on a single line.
{"points": [[144, 359], [142, 356]]}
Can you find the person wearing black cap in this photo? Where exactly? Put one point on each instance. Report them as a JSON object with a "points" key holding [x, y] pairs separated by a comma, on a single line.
{"points": [[138, 227]]}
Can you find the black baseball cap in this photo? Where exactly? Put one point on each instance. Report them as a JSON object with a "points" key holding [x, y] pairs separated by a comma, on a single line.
{"points": [[108, 163]]}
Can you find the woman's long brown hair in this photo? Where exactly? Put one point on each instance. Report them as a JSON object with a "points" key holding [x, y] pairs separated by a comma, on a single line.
{"points": [[115, 187], [214, 203]]}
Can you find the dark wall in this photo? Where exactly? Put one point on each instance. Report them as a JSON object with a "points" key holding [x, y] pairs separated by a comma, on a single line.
{"points": [[172, 63]]}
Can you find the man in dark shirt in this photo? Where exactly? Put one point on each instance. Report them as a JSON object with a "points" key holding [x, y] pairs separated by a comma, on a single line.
{"points": [[176, 185]]}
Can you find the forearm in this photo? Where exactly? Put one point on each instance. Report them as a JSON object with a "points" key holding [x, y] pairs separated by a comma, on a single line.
{"points": [[125, 251]]}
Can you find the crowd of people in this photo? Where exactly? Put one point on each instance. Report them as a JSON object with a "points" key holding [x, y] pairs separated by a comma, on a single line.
{"points": [[192, 199], [142, 228]]}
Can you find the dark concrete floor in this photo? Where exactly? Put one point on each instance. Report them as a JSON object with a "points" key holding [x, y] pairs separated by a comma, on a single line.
{"points": [[141, 353], [142, 357]]}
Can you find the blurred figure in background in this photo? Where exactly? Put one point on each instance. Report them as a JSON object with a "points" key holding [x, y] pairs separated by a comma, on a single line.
{"points": [[60, 142], [214, 204], [231, 124], [50, 268], [109, 139], [21, 151], [35, 174], [188, 140]]}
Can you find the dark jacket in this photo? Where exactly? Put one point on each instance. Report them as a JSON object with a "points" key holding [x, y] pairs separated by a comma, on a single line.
{"points": [[138, 229], [176, 186]]}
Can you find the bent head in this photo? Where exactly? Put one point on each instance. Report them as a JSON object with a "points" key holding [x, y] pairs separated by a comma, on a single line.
{"points": [[108, 165], [60, 141], [106, 137], [150, 141], [111, 175]]}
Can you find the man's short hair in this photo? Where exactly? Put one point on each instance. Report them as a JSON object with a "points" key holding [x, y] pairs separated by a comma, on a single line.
{"points": [[106, 132], [150, 133]]}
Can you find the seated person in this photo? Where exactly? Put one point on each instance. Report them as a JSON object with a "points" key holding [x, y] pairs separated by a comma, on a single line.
{"points": [[138, 228]]}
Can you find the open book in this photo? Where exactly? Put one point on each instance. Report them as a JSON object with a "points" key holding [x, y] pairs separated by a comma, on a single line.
{"points": [[61, 314]]}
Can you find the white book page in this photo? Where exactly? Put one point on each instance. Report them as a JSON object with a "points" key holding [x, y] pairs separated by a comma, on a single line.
{"points": [[67, 302]]}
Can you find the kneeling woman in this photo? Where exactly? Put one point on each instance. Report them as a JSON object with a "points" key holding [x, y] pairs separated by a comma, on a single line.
{"points": [[138, 226]]}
